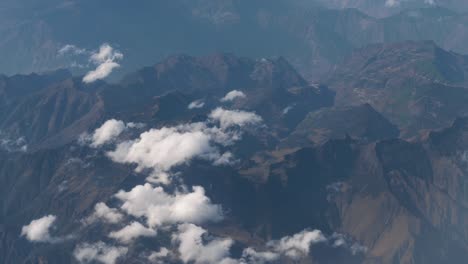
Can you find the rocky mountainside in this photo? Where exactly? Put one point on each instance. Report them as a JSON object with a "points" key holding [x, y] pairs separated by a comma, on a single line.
{"points": [[333, 123], [226, 159], [416, 85]]}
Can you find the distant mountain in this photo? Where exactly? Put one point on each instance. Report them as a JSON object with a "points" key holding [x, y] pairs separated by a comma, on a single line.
{"points": [[416, 85], [360, 122], [310, 36], [55, 108], [382, 8]]}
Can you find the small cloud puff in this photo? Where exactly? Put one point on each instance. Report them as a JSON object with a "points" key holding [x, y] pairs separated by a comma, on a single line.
{"points": [[71, 49], [343, 241], [107, 132], [104, 213], [251, 256], [287, 109], [193, 249], [160, 208], [232, 95], [297, 245], [105, 59], [38, 230], [156, 257], [131, 232], [98, 252], [196, 104], [229, 118]]}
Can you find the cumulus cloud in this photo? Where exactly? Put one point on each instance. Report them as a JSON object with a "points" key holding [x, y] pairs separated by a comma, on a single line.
{"points": [[107, 132], [106, 61], [251, 256], [297, 245], [106, 214], [159, 207], [162, 149], [232, 95], [156, 257], [195, 245], [38, 230], [132, 232], [229, 118], [193, 249], [98, 252], [196, 104]]}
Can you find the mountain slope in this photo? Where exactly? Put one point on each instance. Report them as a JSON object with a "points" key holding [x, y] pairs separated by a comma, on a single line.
{"points": [[416, 85]]}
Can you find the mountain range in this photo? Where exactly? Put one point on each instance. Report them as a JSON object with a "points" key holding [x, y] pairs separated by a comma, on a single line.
{"points": [[373, 157], [312, 37], [233, 132]]}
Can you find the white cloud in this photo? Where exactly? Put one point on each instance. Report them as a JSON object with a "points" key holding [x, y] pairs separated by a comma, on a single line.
{"points": [[107, 132], [226, 159], [162, 149], [228, 118], [71, 49], [196, 104], [251, 256], [192, 249], [341, 240], [232, 95], [105, 59], [297, 245], [38, 230], [156, 257], [100, 252], [132, 232], [102, 212], [287, 109], [160, 208]]}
